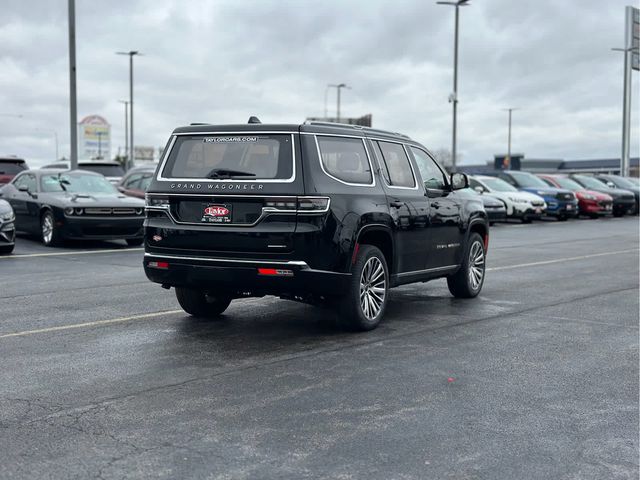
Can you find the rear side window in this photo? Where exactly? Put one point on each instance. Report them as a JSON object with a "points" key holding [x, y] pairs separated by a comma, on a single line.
{"points": [[396, 163], [345, 159], [11, 168], [242, 157], [106, 170]]}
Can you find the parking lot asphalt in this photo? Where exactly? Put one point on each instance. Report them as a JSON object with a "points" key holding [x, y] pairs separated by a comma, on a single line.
{"points": [[103, 376]]}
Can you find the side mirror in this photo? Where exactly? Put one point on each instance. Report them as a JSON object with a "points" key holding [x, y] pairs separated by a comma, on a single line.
{"points": [[611, 185], [459, 181], [479, 189]]}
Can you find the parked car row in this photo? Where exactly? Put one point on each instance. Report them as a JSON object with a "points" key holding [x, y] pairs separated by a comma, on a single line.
{"points": [[527, 196], [55, 203]]}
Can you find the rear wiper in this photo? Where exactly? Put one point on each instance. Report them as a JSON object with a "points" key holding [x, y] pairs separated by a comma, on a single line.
{"points": [[226, 173]]}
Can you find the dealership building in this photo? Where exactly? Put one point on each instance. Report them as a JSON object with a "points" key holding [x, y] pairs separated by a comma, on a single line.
{"points": [[553, 165]]}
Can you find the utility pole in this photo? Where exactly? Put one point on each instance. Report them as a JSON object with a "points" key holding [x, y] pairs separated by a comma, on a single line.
{"points": [[453, 98], [131, 158], [73, 109], [126, 130], [509, 137]]}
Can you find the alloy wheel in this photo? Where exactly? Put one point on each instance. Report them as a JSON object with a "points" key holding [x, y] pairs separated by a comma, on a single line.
{"points": [[47, 228], [476, 265], [372, 288]]}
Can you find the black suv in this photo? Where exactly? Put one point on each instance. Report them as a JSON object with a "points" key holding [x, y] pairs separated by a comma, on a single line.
{"points": [[319, 212]]}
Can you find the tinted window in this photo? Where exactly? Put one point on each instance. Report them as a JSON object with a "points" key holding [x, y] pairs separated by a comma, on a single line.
{"points": [[589, 182], [11, 168], [133, 181], [106, 170], [234, 156], [345, 159], [397, 165], [431, 174], [526, 180], [28, 180], [146, 181]]}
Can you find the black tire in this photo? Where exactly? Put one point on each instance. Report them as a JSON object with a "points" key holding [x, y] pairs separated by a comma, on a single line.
{"points": [[461, 284], [200, 304], [357, 308], [4, 249], [135, 242], [525, 219], [52, 238], [563, 218], [618, 213]]}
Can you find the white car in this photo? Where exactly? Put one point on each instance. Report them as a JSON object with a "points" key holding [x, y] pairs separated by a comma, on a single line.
{"points": [[521, 205]]}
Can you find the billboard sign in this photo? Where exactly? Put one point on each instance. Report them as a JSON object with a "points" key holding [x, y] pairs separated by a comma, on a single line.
{"points": [[94, 137]]}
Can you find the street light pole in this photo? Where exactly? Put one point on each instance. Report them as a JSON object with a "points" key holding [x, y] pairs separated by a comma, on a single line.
{"points": [[337, 87], [509, 137], [626, 109], [453, 98], [131, 54], [73, 108], [126, 130]]}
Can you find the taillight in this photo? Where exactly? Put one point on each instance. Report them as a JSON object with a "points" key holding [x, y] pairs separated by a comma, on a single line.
{"points": [[281, 204], [313, 204], [161, 265], [156, 201], [277, 272]]}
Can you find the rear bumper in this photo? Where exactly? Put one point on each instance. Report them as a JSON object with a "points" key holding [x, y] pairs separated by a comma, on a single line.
{"points": [[242, 276], [496, 215]]}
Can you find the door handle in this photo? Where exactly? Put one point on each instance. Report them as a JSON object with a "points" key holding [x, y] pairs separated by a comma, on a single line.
{"points": [[397, 204]]}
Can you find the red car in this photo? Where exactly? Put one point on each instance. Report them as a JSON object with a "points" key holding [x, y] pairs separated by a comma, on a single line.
{"points": [[11, 166], [590, 203]]}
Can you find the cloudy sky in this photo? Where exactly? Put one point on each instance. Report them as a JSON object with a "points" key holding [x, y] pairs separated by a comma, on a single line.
{"points": [[222, 61]]}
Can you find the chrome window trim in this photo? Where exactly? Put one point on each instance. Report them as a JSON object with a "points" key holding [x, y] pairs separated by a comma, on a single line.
{"points": [[298, 263], [366, 151], [416, 186], [166, 154]]}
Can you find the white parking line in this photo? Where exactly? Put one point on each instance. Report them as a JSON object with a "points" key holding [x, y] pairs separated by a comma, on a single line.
{"points": [[90, 324], [560, 260], [80, 252]]}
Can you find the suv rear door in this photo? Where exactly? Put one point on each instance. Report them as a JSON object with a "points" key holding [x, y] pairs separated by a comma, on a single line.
{"points": [[228, 192]]}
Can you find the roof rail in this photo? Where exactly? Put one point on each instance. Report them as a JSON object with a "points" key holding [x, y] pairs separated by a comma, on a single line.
{"points": [[355, 127], [199, 123]]}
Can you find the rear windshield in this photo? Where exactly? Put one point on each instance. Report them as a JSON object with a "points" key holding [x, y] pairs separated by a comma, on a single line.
{"points": [[106, 170], [243, 157], [11, 168]]}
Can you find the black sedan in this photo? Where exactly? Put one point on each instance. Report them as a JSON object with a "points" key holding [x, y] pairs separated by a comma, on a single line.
{"points": [[623, 200], [7, 228], [495, 208], [62, 204]]}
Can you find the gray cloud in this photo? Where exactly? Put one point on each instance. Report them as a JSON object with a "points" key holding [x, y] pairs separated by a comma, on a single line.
{"points": [[222, 61]]}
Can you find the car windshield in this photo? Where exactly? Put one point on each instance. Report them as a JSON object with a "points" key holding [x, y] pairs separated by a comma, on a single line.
{"points": [[528, 180], [76, 183], [620, 182], [590, 182], [11, 168], [106, 170], [565, 182], [498, 185], [245, 157]]}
